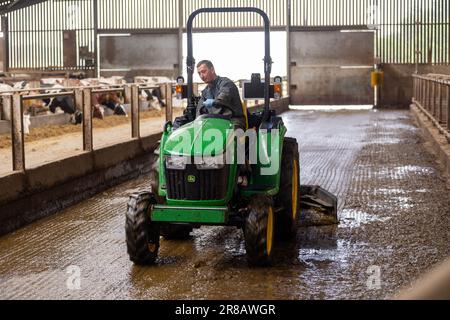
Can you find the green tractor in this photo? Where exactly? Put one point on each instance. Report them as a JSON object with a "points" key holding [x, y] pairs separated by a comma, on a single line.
{"points": [[250, 182]]}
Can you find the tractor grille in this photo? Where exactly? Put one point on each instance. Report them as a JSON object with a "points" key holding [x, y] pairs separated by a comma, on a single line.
{"points": [[208, 184]]}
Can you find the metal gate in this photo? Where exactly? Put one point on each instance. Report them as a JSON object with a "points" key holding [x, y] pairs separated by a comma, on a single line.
{"points": [[139, 54], [331, 67]]}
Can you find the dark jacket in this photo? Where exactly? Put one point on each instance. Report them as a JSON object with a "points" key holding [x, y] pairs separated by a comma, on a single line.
{"points": [[226, 94]]}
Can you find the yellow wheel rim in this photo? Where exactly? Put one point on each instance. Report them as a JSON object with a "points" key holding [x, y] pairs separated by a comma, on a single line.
{"points": [[294, 190], [269, 230]]}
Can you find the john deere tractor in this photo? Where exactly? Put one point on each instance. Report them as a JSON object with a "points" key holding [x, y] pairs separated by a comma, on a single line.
{"points": [[206, 174]]}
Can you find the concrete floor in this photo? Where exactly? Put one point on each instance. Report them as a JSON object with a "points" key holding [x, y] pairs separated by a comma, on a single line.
{"points": [[394, 212]]}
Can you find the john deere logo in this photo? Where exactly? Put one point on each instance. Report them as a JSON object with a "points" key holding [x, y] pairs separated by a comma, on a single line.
{"points": [[191, 178]]}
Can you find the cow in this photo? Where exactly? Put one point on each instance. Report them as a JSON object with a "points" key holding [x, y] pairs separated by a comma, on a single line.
{"points": [[150, 95], [66, 104], [110, 100], [98, 100], [30, 105]]}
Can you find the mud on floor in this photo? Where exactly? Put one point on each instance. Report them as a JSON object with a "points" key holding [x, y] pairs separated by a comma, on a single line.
{"points": [[395, 217], [398, 207]]}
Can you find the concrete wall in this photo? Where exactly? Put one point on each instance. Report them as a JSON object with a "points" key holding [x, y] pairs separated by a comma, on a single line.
{"points": [[398, 85], [331, 67], [280, 105], [331, 86], [38, 121], [144, 54], [332, 48], [49, 119], [316, 76]]}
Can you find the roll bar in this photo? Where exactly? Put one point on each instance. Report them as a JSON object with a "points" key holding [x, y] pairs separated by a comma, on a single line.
{"points": [[190, 61]]}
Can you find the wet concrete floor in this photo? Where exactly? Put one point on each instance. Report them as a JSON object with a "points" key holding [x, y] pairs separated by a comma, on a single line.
{"points": [[394, 212]]}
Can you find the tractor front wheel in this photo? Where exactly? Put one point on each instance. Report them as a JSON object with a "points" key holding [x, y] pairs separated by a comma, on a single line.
{"points": [[258, 231], [142, 235]]}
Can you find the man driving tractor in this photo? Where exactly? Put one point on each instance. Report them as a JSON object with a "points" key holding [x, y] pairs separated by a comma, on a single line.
{"points": [[221, 96]]}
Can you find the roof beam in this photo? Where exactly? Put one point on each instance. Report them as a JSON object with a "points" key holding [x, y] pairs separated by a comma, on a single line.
{"points": [[13, 5]]}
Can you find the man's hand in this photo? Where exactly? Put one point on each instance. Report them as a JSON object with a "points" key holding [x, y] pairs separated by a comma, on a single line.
{"points": [[208, 103]]}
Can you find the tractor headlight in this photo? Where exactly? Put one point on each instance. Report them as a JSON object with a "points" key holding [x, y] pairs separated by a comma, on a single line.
{"points": [[176, 162], [208, 163]]}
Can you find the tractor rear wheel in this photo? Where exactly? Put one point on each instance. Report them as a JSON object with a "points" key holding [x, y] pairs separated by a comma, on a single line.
{"points": [[288, 196], [142, 235], [259, 231]]}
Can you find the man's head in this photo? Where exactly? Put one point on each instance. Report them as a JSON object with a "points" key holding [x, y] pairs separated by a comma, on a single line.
{"points": [[206, 71]]}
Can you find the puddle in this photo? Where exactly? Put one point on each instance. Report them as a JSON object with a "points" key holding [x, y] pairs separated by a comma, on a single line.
{"points": [[116, 200], [342, 254], [389, 191], [352, 218], [330, 108], [403, 202], [403, 171], [338, 254], [385, 141], [392, 204], [397, 125]]}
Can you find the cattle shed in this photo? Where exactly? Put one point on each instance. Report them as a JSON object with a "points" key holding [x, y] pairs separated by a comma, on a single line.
{"points": [[332, 45], [123, 176]]}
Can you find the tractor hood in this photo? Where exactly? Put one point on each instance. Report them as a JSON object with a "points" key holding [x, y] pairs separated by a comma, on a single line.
{"points": [[203, 136]]}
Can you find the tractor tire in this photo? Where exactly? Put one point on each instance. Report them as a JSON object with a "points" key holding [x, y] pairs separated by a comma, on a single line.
{"points": [[288, 197], [259, 231], [176, 231], [142, 235]]}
